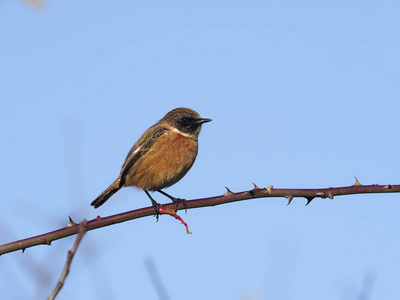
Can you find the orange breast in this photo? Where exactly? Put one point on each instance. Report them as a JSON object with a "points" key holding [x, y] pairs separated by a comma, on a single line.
{"points": [[167, 161]]}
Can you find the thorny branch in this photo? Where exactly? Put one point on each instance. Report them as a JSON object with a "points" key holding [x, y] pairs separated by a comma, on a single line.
{"points": [[256, 192], [71, 253]]}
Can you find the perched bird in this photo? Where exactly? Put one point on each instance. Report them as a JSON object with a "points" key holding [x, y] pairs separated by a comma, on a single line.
{"points": [[161, 157]]}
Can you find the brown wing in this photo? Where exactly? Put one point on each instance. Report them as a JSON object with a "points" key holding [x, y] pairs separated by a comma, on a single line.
{"points": [[143, 144]]}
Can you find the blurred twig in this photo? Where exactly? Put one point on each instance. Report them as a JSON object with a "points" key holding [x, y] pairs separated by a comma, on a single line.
{"points": [[309, 194], [71, 253], [156, 280]]}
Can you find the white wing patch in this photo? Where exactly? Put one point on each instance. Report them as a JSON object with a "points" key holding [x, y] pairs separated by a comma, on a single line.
{"points": [[137, 150]]}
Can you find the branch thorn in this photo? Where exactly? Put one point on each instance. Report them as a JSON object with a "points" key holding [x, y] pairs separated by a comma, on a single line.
{"points": [[71, 222], [357, 182], [228, 192], [255, 186], [290, 198], [309, 199]]}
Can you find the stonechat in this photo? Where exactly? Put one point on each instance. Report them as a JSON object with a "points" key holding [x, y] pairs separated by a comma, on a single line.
{"points": [[161, 157]]}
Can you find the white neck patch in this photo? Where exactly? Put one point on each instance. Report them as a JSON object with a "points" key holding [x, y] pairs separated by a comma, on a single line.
{"points": [[182, 133]]}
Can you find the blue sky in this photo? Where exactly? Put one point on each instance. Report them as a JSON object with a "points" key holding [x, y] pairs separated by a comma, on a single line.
{"points": [[301, 96]]}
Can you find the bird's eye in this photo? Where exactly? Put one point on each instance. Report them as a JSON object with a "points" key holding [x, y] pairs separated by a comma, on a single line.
{"points": [[184, 121]]}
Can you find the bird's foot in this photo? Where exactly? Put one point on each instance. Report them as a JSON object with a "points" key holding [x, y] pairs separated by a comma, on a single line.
{"points": [[180, 200], [175, 200], [157, 209]]}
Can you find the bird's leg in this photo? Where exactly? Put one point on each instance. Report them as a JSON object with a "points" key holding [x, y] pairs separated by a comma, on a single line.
{"points": [[175, 200], [155, 205]]}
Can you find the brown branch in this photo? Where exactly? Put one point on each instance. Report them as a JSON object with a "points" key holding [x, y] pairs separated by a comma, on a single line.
{"points": [[309, 194], [71, 253]]}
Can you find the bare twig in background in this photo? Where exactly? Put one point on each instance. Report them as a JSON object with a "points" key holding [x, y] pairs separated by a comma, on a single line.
{"points": [[367, 287], [71, 253], [156, 280], [309, 194]]}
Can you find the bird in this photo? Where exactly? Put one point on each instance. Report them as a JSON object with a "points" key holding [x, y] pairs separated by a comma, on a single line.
{"points": [[161, 157]]}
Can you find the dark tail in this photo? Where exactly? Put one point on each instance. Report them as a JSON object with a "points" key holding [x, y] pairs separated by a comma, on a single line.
{"points": [[104, 196]]}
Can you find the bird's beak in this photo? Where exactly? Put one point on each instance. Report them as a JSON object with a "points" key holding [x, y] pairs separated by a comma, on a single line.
{"points": [[201, 121]]}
